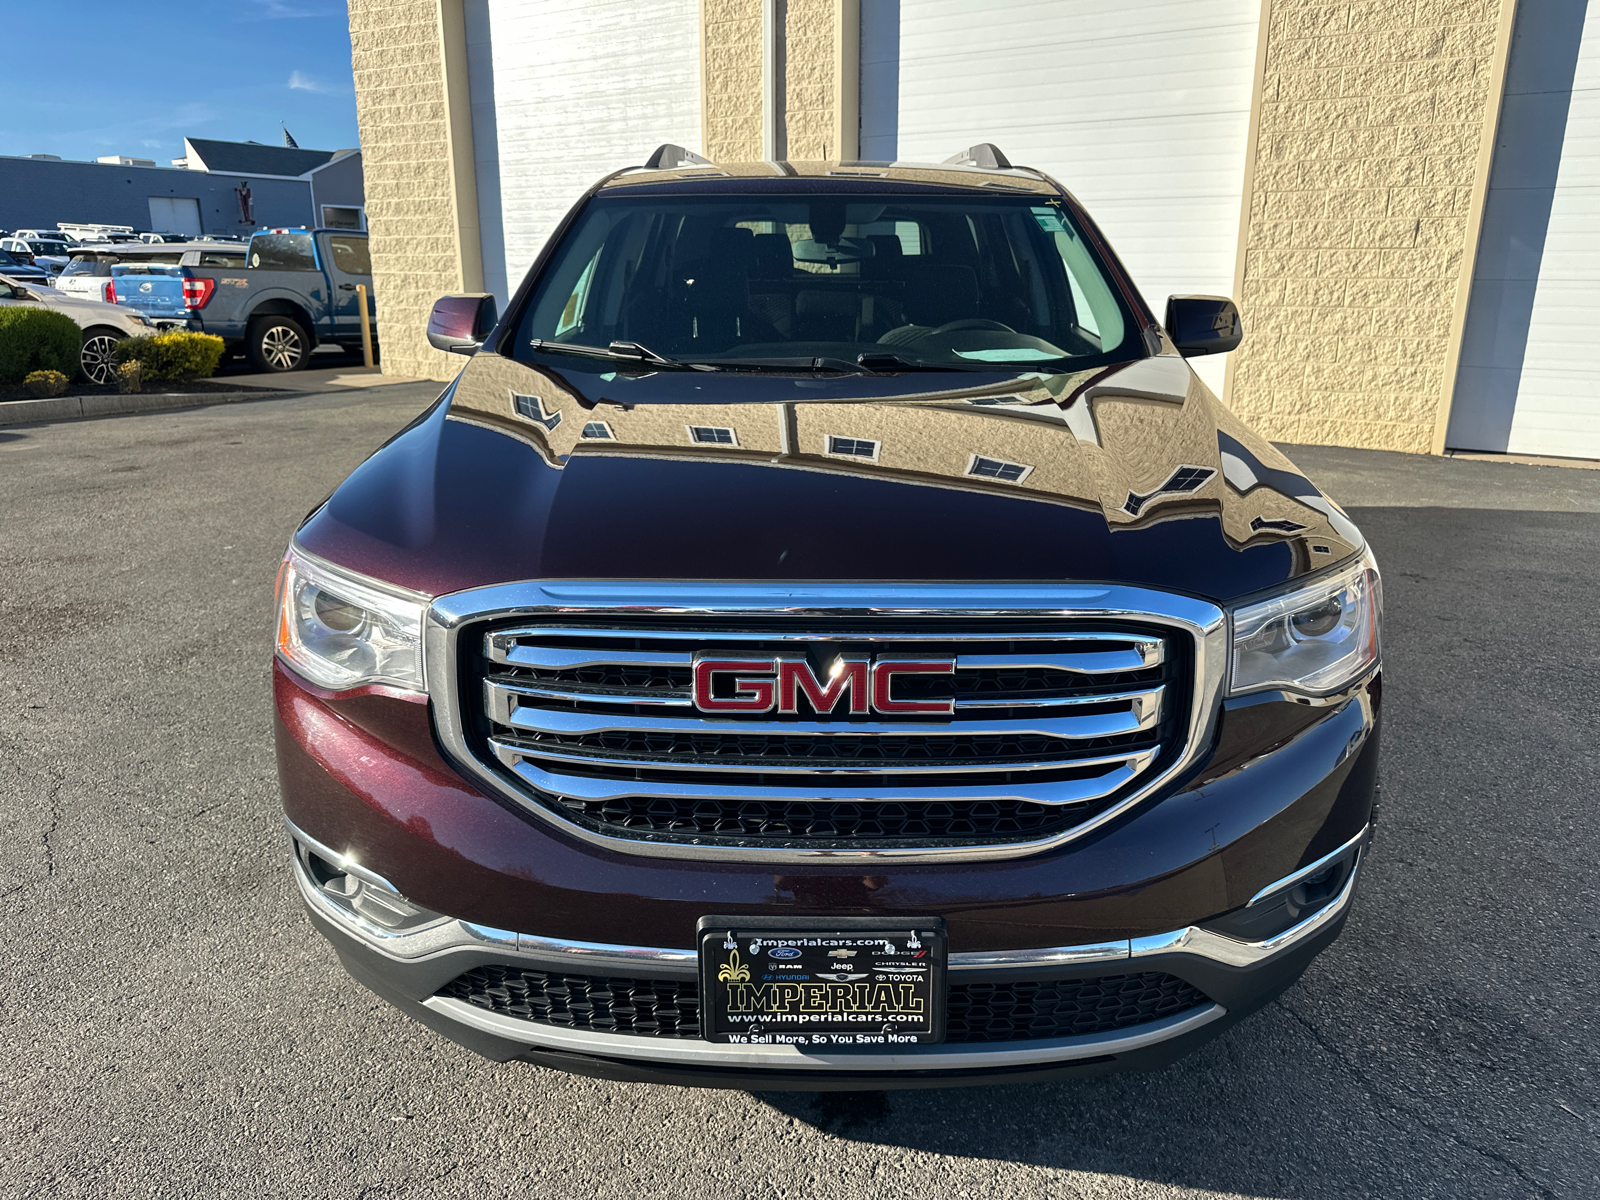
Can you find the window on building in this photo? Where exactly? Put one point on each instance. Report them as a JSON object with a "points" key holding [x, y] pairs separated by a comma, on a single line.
{"points": [[598, 431], [336, 216], [712, 435], [996, 468], [852, 447], [533, 408]]}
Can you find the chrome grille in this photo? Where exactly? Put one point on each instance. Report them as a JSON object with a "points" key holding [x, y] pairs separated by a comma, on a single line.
{"points": [[1053, 722]]}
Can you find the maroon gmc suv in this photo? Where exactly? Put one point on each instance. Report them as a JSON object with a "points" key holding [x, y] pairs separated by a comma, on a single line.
{"points": [[828, 637]]}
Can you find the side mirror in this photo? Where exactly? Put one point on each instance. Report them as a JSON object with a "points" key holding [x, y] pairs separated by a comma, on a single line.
{"points": [[459, 324], [1203, 324]]}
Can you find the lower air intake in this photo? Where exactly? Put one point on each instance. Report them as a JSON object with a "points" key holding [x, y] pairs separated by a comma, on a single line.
{"points": [[977, 1012]]}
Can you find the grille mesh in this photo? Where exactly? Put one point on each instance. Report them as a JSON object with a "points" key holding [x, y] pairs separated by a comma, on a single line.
{"points": [[822, 820], [594, 722], [1004, 1012], [977, 1012], [648, 1008]]}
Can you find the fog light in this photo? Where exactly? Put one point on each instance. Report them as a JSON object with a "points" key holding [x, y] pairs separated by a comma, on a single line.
{"points": [[363, 897], [1273, 914]]}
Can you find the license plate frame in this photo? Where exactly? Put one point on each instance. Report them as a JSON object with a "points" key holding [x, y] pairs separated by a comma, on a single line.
{"points": [[886, 988]]}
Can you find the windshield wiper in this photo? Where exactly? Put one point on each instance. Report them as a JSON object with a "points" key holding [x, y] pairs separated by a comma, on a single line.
{"points": [[778, 364], [620, 351], [883, 360]]}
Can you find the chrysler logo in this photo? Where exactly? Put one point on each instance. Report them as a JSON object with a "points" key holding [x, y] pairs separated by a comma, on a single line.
{"points": [[854, 684]]}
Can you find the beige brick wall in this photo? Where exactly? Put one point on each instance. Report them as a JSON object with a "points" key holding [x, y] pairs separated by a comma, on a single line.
{"points": [[811, 120], [730, 79], [1372, 114], [397, 54]]}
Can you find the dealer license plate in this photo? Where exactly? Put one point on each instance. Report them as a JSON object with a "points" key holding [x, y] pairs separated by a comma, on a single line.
{"points": [[861, 988]]}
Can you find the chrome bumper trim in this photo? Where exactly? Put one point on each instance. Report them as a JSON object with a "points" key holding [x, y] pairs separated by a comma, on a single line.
{"points": [[451, 935], [1288, 881], [689, 1052], [1233, 953]]}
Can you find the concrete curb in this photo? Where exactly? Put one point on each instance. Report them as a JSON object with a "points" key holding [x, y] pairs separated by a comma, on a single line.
{"points": [[78, 408]]}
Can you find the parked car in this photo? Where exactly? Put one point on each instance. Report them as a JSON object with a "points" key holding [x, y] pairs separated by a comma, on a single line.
{"points": [[20, 266], [103, 325], [89, 273], [50, 253], [150, 278], [298, 289], [50, 235], [828, 637]]}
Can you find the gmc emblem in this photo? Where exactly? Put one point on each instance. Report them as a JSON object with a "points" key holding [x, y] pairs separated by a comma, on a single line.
{"points": [[865, 685]]}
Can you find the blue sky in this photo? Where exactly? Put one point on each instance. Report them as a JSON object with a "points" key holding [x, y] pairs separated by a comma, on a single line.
{"points": [[107, 77]]}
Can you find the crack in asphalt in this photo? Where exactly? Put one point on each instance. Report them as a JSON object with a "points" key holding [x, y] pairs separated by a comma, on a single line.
{"points": [[56, 784], [1371, 1088], [387, 1188]]}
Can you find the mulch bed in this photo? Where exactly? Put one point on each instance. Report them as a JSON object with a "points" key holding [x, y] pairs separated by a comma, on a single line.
{"points": [[16, 391]]}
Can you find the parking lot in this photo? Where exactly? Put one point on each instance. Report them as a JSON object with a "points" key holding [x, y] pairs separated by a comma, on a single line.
{"points": [[174, 1027]]}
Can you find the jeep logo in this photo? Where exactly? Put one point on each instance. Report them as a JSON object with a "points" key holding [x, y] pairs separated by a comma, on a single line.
{"points": [[861, 684]]}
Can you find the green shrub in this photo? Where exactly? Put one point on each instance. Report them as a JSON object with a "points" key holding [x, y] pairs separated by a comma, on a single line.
{"points": [[130, 376], [36, 339], [46, 383], [175, 355]]}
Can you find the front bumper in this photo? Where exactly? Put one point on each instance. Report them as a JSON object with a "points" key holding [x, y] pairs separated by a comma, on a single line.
{"points": [[409, 969]]}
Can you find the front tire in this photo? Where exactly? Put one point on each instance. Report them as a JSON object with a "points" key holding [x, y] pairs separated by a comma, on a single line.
{"points": [[277, 344], [94, 359]]}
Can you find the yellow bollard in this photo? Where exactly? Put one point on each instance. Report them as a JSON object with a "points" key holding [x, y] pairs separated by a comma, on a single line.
{"points": [[366, 325]]}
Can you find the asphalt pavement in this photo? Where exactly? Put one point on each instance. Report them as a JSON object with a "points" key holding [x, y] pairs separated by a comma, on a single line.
{"points": [[173, 1027]]}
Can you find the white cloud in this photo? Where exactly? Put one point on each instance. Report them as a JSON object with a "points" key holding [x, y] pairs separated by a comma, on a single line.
{"points": [[299, 81], [276, 10]]}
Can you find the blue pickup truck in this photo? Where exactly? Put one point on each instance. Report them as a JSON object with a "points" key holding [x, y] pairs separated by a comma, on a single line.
{"points": [[296, 290]]}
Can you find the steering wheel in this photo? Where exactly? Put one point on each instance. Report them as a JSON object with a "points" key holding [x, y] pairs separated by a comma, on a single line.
{"points": [[973, 323]]}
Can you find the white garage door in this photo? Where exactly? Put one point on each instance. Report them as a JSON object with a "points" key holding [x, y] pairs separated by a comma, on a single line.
{"points": [[564, 92], [175, 214], [1140, 107], [1529, 381]]}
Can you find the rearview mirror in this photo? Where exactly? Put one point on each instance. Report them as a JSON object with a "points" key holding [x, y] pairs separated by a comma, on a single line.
{"points": [[459, 324], [1203, 324]]}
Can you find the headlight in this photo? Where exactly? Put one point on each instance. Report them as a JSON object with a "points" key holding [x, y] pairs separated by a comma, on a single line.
{"points": [[1316, 638], [342, 630], [137, 319]]}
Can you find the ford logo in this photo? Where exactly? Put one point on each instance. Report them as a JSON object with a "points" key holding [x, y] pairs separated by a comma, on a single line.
{"points": [[783, 952], [144, 287]]}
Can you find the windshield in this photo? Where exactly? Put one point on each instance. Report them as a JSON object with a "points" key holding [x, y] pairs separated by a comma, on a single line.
{"points": [[42, 247], [936, 280], [92, 265], [8, 259]]}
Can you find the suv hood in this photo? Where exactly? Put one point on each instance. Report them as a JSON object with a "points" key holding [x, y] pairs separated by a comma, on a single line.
{"points": [[1132, 474]]}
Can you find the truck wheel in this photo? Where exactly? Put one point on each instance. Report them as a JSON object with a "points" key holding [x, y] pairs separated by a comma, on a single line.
{"points": [[94, 360], [277, 344]]}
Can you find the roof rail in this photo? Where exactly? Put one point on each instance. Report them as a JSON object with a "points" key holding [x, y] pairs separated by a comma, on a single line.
{"points": [[668, 156], [985, 155]]}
